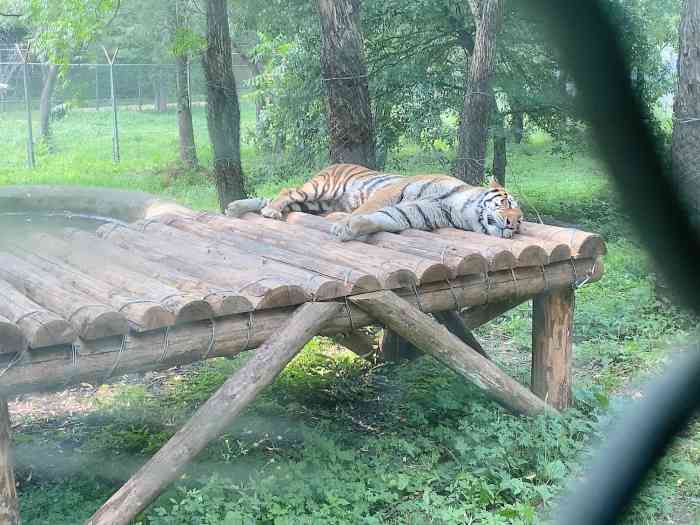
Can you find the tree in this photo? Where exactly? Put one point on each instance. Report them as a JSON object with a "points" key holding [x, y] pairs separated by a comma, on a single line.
{"points": [[182, 41], [349, 117], [685, 141], [478, 95], [223, 112]]}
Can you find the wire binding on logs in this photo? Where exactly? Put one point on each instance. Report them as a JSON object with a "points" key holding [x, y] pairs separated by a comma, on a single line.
{"points": [[487, 282], [544, 277], [13, 361], [135, 301], [165, 345], [443, 255], [458, 306], [415, 292], [167, 297], [348, 311], [122, 349], [70, 318], [75, 361], [249, 330], [574, 284], [28, 314], [212, 339], [515, 282]]}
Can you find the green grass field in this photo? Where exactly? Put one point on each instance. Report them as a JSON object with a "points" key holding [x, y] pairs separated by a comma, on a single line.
{"points": [[338, 440]]}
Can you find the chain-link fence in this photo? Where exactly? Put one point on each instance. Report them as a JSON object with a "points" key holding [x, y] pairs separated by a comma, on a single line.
{"points": [[79, 111]]}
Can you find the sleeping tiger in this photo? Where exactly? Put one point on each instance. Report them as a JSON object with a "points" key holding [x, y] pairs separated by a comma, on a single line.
{"points": [[374, 202]]}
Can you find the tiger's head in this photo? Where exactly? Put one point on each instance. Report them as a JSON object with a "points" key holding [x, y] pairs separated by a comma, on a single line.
{"points": [[500, 215]]}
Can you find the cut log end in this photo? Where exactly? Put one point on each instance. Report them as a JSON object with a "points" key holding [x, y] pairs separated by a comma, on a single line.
{"points": [[472, 264], [196, 310], [105, 324], [533, 256], [48, 332], [11, 338]]}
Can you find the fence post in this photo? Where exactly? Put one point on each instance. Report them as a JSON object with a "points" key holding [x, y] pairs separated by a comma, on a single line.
{"points": [[115, 127], [28, 104], [97, 87]]}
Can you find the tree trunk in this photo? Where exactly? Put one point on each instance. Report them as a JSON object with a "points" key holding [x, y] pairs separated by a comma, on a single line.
{"points": [[188, 150], [478, 97], [517, 126], [45, 103], [500, 159], [349, 116], [223, 113], [685, 148]]}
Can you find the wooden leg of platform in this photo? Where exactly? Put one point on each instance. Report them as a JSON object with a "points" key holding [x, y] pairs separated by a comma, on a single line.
{"points": [[552, 321], [424, 332], [455, 323], [9, 506], [359, 342], [215, 415]]}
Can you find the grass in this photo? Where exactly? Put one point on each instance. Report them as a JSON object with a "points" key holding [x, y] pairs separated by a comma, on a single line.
{"points": [[339, 440]]}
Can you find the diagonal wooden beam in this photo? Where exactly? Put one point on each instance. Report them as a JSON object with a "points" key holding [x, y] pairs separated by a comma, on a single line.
{"points": [[212, 418], [427, 334]]}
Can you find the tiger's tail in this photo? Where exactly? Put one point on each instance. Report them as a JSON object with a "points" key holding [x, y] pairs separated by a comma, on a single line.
{"points": [[239, 207]]}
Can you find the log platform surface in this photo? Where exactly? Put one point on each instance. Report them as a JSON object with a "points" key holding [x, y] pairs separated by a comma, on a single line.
{"points": [[70, 297]]}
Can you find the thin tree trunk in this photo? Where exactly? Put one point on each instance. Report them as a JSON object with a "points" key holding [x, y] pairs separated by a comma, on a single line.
{"points": [[188, 151], [499, 151], [349, 116], [223, 112], [45, 103], [685, 148], [517, 126], [478, 98]]}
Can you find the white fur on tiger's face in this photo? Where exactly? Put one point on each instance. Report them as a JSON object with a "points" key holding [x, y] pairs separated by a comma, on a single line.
{"points": [[374, 201]]}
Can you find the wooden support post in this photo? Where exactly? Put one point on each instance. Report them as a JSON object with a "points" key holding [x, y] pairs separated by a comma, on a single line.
{"points": [[215, 415], [9, 506], [456, 324], [552, 321], [359, 342], [424, 332]]}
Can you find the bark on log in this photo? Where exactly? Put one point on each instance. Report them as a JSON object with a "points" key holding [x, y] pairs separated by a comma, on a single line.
{"points": [[496, 257], [212, 418], [185, 306], [552, 323], [40, 326], [141, 314], [263, 283], [222, 302], [425, 333], [357, 280], [50, 368], [583, 244], [526, 253], [9, 505], [90, 318], [393, 269], [188, 150], [459, 260]]}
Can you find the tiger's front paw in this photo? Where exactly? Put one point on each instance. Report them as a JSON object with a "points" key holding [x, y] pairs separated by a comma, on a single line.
{"points": [[271, 213], [342, 231]]}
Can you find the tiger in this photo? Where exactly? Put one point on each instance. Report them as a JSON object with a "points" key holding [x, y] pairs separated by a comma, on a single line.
{"points": [[362, 201]]}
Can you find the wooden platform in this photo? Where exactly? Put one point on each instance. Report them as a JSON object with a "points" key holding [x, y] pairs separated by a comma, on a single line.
{"points": [[75, 296], [179, 286]]}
